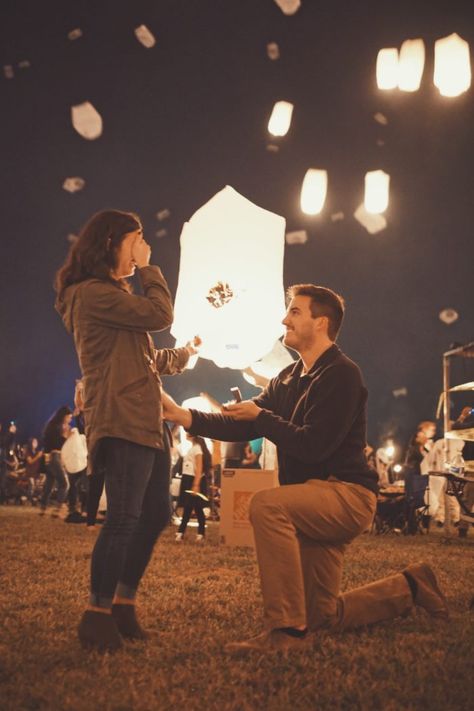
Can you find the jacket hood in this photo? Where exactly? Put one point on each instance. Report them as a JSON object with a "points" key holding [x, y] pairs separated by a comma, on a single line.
{"points": [[65, 303]]}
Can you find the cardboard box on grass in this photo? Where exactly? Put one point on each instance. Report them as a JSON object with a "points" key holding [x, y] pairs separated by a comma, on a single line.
{"points": [[237, 488]]}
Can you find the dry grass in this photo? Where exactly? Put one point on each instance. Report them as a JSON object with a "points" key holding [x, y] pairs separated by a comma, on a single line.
{"points": [[195, 599]]}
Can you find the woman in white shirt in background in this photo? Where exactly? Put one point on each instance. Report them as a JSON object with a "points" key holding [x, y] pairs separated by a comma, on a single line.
{"points": [[196, 466]]}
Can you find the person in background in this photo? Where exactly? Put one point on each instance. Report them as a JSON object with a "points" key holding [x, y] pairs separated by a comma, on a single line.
{"points": [[95, 476], [233, 454], [428, 430], [3, 472], [466, 421], [10, 440], [197, 464], [55, 433], [444, 509], [74, 460], [33, 457], [369, 452], [250, 458], [415, 481]]}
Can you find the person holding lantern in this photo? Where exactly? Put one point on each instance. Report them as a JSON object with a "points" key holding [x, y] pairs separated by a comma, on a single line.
{"points": [[315, 413]]}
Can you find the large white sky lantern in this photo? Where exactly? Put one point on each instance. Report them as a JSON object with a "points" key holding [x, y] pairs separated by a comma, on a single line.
{"points": [[386, 69], [313, 191], [280, 120], [230, 287], [452, 70], [272, 363], [377, 184], [411, 63]]}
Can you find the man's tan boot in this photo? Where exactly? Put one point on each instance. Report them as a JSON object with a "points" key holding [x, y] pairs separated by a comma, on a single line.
{"points": [[427, 593]]}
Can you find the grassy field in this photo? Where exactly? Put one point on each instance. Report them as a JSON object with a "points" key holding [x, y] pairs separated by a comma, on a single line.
{"points": [[195, 599]]}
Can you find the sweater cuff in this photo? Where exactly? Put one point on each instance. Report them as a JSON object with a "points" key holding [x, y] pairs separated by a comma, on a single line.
{"points": [[150, 274], [262, 421]]}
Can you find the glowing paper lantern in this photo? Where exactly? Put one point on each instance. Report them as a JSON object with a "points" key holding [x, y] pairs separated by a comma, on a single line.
{"points": [[372, 223], [296, 237], [448, 316], [230, 287], [411, 64], [280, 120], [452, 71], [376, 191], [288, 7], [386, 70], [73, 185], [145, 37], [313, 191], [86, 120]]}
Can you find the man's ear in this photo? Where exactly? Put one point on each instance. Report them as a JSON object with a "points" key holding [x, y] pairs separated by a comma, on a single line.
{"points": [[322, 323]]}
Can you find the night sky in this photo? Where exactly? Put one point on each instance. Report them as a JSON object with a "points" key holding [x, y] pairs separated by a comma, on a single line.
{"points": [[189, 116]]}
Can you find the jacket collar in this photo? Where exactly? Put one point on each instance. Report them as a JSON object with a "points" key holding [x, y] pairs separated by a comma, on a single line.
{"points": [[324, 360]]}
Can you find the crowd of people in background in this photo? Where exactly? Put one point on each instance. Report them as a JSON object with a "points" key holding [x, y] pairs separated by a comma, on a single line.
{"points": [[50, 472]]}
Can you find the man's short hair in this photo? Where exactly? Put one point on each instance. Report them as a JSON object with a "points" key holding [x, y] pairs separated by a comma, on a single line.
{"points": [[324, 302]]}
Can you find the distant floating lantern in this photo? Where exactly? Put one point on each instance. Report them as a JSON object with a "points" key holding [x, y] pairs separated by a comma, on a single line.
{"points": [[372, 223], [288, 7], [313, 191], [411, 63], [377, 184], [230, 288], [452, 70], [86, 120], [280, 120], [387, 68]]}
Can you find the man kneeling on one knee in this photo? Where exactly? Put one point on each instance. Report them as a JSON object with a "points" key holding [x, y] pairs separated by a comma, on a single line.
{"points": [[315, 413]]}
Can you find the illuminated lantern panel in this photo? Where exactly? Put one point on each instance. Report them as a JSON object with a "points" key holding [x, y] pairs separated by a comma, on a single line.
{"points": [[313, 191], [452, 70], [411, 64], [230, 287], [271, 364], [376, 191], [280, 120], [387, 68]]}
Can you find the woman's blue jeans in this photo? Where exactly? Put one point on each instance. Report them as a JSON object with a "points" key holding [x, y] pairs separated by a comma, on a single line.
{"points": [[137, 485]]}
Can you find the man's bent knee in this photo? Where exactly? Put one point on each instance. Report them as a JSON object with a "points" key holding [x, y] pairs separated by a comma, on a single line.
{"points": [[261, 503]]}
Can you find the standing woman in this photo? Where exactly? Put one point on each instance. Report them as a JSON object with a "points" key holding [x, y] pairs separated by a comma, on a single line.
{"points": [[197, 464], [55, 433], [122, 408], [33, 456], [415, 481]]}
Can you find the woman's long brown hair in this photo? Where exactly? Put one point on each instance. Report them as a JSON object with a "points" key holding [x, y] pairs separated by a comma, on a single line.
{"points": [[93, 255]]}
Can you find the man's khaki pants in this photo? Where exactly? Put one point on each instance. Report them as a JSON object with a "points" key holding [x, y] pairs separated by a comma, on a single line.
{"points": [[301, 532]]}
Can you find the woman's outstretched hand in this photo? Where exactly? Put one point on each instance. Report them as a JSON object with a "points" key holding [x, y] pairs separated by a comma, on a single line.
{"points": [[173, 412]]}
